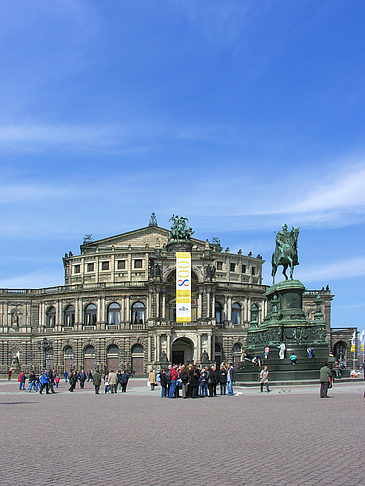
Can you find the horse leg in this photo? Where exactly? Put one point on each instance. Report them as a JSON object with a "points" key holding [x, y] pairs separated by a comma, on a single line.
{"points": [[284, 271], [273, 273], [291, 268]]}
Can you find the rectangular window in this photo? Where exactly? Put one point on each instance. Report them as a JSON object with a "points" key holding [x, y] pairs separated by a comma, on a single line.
{"points": [[253, 270], [244, 269], [121, 265], [105, 265], [90, 267], [232, 267], [76, 268], [219, 265], [137, 263]]}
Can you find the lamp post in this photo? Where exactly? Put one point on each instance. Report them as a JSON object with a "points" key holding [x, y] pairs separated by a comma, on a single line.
{"points": [[47, 348]]}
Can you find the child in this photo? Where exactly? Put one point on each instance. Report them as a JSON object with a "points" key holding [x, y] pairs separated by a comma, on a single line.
{"points": [[57, 380]]}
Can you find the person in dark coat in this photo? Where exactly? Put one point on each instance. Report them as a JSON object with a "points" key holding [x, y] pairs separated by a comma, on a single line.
{"points": [[222, 379], [163, 382], [72, 380], [194, 381], [97, 381], [124, 377], [211, 381]]}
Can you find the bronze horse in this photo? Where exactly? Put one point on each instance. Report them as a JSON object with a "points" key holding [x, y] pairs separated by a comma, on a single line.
{"points": [[287, 258]]}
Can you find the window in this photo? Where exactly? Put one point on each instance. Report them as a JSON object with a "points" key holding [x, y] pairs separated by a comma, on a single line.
{"points": [[138, 313], [237, 348], [236, 313], [114, 313], [232, 267], [137, 263], [76, 268], [218, 313], [90, 315], [90, 267], [112, 350], [121, 264], [244, 269], [69, 316], [219, 265], [137, 349], [105, 265], [51, 317], [253, 270]]}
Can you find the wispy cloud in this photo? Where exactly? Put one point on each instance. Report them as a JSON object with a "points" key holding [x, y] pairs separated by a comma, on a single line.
{"points": [[337, 270], [33, 280]]}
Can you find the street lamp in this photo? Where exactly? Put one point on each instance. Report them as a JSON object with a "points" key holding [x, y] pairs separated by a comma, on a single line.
{"points": [[47, 348]]}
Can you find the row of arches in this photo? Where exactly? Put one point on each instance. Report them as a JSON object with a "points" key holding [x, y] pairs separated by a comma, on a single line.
{"points": [[138, 312]]}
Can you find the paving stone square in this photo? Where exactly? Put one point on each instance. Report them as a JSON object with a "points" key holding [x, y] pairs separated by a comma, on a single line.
{"points": [[288, 437]]}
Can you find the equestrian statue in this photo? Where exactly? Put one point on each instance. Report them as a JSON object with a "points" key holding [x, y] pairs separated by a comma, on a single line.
{"points": [[286, 252]]}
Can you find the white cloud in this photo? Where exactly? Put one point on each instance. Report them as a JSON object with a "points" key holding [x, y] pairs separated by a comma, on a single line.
{"points": [[337, 270], [33, 280]]}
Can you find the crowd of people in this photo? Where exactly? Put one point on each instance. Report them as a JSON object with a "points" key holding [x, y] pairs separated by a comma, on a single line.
{"points": [[193, 381]]}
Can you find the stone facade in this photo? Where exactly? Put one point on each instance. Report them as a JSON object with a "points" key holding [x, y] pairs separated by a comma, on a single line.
{"points": [[117, 307]]}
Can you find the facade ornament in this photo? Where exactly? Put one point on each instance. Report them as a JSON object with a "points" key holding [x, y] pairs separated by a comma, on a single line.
{"points": [[153, 220], [179, 230]]}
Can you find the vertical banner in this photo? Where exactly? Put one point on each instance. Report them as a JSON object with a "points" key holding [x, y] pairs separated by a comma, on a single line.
{"points": [[183, 286]]}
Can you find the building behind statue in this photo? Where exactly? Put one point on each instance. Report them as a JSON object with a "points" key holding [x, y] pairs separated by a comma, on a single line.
{"points": [[117, 308]]}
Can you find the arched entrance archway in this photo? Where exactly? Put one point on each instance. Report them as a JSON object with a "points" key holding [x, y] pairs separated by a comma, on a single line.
{"points": [[138, 360], [339, 350], [68, 355], [112, 357], [182, 351], [89, 358]]}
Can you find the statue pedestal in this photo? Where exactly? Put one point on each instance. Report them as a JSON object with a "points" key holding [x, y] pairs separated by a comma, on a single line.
{"points": [[286, 322], [178, 245]]}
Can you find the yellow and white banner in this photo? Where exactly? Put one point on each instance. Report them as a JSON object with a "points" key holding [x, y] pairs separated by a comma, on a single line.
{"points": [[183, 286]]}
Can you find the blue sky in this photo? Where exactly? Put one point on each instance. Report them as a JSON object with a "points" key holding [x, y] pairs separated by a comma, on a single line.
{"points": [[240, 115]]}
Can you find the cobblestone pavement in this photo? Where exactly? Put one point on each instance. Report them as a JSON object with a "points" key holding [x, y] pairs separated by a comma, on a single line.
{"points": [[287, 437]]}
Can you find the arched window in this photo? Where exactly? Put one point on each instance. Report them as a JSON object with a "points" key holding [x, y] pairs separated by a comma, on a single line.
{"points": [[218, 313], [90, 315], [112, 350], [89, 351], [137, 349], [68, 352], [138, 313], [51, 317], [237, 348], [236, 313], [69, 316], [114, 313]]}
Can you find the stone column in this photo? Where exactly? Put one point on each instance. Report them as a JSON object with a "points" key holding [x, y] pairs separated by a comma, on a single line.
{"points": [[163, 304], [77, 311], [225, 309], [198, 347], [157, 303], [213, 348], [208, 304], [249, 309], [127, 309], [149, 305], [200, 305], [98, 314], [149, 349], [213, 306], [209, 346], [168, 343], [122, 313], [230, 309], [158, 347]]}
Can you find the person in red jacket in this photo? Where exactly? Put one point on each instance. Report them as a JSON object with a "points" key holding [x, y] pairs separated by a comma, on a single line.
{"points": [[174, 377]]}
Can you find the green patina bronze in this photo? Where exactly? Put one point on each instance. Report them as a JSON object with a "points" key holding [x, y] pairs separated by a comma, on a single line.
{"points": [[286, 252], [179, 230]]}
